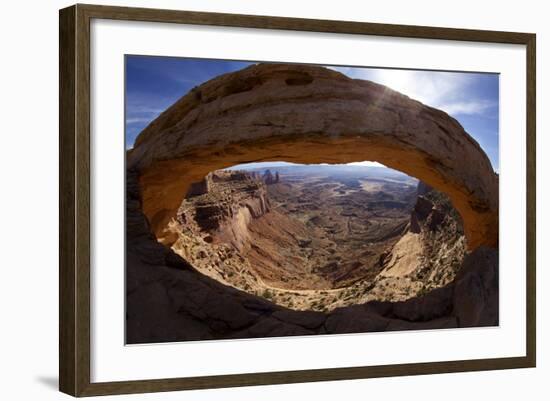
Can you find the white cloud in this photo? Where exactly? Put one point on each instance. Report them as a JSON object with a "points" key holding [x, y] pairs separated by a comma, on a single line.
{"points": [[140, 113], [472, 107], [135, 120], [443, 90], [366, 163]]}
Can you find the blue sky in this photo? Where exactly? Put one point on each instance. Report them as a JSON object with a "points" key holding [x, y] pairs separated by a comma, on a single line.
{"points": [[154, 83]]}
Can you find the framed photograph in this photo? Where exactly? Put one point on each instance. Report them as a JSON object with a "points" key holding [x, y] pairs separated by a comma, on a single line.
{"points": [[250, 200]]}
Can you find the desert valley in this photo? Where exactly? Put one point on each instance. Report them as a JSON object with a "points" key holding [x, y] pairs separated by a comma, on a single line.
{"points": [[319, 237]]}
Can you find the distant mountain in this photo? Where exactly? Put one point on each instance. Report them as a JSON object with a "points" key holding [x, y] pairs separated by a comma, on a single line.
{"points": [[348, 171]]}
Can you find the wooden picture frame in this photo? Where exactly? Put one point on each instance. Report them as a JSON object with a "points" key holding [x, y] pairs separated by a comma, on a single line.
{"points": [[74, 205]]}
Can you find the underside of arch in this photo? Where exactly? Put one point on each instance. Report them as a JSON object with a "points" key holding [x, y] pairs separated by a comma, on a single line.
{"points": [[307, 114]]}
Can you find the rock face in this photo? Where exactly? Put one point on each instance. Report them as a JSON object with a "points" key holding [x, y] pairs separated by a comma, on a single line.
{"points": [[475, 298], [428, 254], [269, 178], [435, 236], [309, 114], [224, 202]]}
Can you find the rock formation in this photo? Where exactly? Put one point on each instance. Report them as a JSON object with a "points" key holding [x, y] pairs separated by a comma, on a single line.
{"points": [[432, 250], [269, 178], [302, 114], [226, 205], [309, 114]]}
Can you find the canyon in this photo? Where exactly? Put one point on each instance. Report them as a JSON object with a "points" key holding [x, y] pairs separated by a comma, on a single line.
{"points": [[320, 237]]}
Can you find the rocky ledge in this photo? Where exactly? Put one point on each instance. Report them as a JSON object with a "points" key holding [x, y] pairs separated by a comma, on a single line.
{"points": [[223, 203]]}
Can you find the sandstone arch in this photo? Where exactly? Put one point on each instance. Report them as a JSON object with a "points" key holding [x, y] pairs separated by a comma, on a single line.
{"points": [[308, 114]]}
